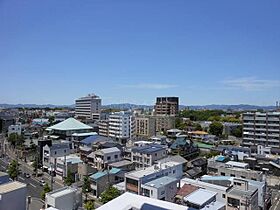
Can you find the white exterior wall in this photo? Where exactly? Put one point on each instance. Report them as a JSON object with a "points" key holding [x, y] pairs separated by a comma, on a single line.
{"points": [[121, 125], [88, 106], [67, 201], [211, 187], [14, 129], [166, 191]]}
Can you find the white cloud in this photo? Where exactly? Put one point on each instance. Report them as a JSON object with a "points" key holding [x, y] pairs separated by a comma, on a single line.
{"points": [[154, 86], [251, 83]]}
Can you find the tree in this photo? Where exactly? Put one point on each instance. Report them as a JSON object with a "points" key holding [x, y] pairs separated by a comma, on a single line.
{"points": [[109, 194], [51, 120], [35, 164], [86, 186], [45, 190], [216, 128], [16, 139], [69, 179], [198, 127], [89, 205], [13, 170], [237, 132], [179, 124]]}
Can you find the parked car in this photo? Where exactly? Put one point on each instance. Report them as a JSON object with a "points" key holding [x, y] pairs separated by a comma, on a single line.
{"points": [[42, 182]]}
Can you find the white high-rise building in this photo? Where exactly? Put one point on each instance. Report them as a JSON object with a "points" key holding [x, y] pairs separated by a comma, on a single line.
{"points": [[121, 125], [261, 129], [88, 107]]}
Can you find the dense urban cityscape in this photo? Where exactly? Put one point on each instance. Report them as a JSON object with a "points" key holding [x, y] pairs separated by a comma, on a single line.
{"points": [[89, 157]]}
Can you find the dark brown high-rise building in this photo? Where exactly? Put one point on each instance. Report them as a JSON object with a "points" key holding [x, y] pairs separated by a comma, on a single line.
{"points": [[167, 106]]}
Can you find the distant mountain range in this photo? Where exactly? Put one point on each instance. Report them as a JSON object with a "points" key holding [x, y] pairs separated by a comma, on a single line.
{"points": [[125, 106]]}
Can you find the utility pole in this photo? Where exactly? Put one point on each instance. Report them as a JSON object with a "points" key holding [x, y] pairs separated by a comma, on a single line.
{"points": [[51, 176]]}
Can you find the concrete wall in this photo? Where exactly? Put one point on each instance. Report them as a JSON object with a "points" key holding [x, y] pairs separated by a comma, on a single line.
{"points": [[15, 200]]}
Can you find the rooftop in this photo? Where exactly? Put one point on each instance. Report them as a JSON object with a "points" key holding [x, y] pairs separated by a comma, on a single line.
{"points": [[93, 139], [61, 192], [200, 197], [11, 186], [100, 174], [158, 183], [107, 151], [120, 163], [186, 189], [236, 164], [148, 149], [69, 124], [139, 173], [132, 201]]}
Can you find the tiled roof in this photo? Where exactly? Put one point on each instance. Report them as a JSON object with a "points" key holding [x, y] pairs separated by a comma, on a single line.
{"points": [[186, 189]]}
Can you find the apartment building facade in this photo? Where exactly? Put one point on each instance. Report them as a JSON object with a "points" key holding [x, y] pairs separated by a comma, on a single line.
{"points": [[88, 107], [261, 129], [167, 106], [145, 126], [121, 125], [145, 156]]}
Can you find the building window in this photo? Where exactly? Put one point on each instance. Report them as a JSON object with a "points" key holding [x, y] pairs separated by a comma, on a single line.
{"points": [[109, 158], [232, 175], [116, 156], [55, 152], [223, 174], [224, 196], [174, 171]]}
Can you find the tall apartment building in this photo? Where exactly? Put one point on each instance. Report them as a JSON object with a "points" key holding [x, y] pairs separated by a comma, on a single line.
{"points": [[261, 129], [145, 126], [167, 106], [88, 107], [164, 123], [103, 127], [121, 125]]}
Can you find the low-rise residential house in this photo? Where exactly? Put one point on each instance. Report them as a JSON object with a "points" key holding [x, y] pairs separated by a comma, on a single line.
{"points": [[124, 165], [67, 164], [145, 156], [184, 147], [135, 179], [241, 196], [101, 180], [203, 199], [51, 153], [233, 192], [14, 129], [263, 198], [13, 196], [84, 152], [64, 199], [85, 169], [101, 158], [233, 169], [163, 188]]}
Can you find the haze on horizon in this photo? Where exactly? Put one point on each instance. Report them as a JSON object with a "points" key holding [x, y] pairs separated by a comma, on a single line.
{"points": [[218, 52]]}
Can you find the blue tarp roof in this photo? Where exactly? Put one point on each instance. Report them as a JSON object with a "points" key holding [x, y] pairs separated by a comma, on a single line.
{"points": [[92, 139], [221, 158]]}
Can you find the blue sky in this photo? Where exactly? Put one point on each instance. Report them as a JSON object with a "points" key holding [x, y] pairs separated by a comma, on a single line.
{"points": [[205, 52]]}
